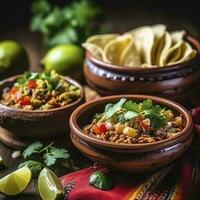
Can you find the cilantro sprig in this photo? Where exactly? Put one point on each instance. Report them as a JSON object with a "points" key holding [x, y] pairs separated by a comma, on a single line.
{"points": [[70, 23], [125, 110], [37, 156], [49, 153]]}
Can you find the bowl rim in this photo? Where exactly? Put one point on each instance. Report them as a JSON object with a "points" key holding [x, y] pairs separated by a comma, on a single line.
{"points": [[193, 41], [66, 78], [105, 144]]}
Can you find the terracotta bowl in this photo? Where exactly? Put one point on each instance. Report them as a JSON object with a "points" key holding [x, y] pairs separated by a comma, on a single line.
{"points": [[37, 124], [132, 155], [178, 82]]}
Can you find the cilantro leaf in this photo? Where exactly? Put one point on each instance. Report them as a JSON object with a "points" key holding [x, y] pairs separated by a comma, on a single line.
{"points": [[71, 23], [120, 118], [53, 154], [130, 114], [154, 114], [147, 104], [111, 110], [31, 149], [130, 105], [108, 106]]}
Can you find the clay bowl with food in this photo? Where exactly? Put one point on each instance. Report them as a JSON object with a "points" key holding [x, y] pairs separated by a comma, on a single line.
{"points": [[177, 82], [130, 157], [35, 123]]}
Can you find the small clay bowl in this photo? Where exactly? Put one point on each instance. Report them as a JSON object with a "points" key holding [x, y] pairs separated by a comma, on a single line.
{"points": [[178, 82], [132, 162], [129, 156], [83, 115], [36, 123]]}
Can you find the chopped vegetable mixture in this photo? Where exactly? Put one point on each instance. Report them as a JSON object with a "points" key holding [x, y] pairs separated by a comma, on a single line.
{"points": [[130, 122], [40, 91]]}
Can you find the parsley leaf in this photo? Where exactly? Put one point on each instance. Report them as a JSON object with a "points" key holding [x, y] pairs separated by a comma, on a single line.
{"points": [[147, 104], [71, 23], [130, 105], [154, 114], [53, 154], [111, 110], [32, 149], [130, 114]]}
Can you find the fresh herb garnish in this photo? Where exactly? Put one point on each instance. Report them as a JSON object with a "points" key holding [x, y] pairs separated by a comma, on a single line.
{"points": [[71, 23], [49, 153], [53, 154], [111, 109], [125, 110], [32, 149]]}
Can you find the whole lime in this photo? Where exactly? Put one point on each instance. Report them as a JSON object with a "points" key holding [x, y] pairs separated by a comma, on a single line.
{"points": [[13, 58], [66, 59]]}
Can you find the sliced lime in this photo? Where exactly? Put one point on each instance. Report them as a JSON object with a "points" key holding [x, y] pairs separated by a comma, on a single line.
{"points": [[49, 186], [16, 182]]}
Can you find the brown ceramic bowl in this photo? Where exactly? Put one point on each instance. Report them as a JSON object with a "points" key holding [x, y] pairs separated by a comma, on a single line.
{"points": [[134, 155], [35, 123], [132, 162], [178, 82]]}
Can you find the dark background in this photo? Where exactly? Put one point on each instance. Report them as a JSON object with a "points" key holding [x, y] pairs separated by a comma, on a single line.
{"points": [[174, 13], [120, 16]]}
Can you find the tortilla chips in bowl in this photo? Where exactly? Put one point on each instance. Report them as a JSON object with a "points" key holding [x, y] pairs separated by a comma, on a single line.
{"points": [[146, 60]]}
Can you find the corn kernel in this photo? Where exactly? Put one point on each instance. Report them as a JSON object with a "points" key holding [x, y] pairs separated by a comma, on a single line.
{"points": [[119, 128], [178, 121], [169, 115], [130, 131]]}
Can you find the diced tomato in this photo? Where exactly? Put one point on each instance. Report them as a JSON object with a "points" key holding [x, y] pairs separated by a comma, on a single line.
{"points": [[100, 129], [32, 84], [26, 100]]}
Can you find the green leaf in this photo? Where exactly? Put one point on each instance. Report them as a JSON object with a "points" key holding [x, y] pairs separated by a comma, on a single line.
{"points": [[120, 118], [55, 153], [130, 105], [130, 115], [40, 6], [31, 149], [108, 106], [154, 114], [64, 36], [101, 180], [55, 19], [115, 108], [147, 104], [34, 166], [67, 24], [84, 11]]}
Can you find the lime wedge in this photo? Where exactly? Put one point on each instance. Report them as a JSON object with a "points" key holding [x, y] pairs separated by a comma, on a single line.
{"points": [[16, 182], [49, 186]]}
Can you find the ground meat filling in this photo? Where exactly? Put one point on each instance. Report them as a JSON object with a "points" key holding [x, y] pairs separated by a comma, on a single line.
{"points": [[134, 127]]}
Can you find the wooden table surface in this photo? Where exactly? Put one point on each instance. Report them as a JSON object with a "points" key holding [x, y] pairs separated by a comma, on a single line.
{"points": [[33, 44]]}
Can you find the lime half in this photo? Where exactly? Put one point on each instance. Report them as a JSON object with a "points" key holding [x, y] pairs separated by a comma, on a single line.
{"points": [[49, 186], [16, 182]]}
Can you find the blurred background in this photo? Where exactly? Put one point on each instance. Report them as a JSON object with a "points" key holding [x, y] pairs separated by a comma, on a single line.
{"points": [[16, 19]]}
